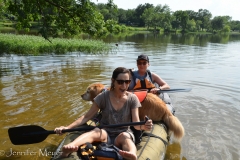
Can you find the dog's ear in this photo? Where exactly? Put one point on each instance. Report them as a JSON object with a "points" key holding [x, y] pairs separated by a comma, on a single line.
{"points": [[95, 89], [98, 88]]}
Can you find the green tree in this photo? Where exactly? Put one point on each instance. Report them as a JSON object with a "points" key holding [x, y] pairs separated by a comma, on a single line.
{"points": [[227, 19], [182, 18], [108, 12], [110, 25], [148, 16], [192, 14], [226, 29], [130, 14], [66, 17], [205, 17], [122, 16], [191, 25], [221, 23], [235, 25], [164, 16], [217, 23], [2, 8], [175, 23], [159, 16], [138, 14], [198, 24]]}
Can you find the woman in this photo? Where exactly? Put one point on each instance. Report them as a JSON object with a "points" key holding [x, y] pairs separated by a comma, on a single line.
{"points": [[144, 79], [118, 106]]}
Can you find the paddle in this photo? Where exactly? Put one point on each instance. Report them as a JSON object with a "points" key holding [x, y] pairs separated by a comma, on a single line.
{"points": [[34, 134], [174, 90]]}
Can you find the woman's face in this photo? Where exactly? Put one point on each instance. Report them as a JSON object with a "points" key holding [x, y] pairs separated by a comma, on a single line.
{"points": [[142, 65], [122, 82]]}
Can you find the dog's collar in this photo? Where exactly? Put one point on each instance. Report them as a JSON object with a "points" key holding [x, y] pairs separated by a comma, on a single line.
{"points": [[103, 90]]}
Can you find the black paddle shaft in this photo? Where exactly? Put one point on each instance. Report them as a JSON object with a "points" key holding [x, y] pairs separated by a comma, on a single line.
{"points": [[174, 90], [34, 134]]}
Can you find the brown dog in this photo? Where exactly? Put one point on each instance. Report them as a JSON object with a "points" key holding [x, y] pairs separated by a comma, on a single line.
{"points": [[152, 106]]}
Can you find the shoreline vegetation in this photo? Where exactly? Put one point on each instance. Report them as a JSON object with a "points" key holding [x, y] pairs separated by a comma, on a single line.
{"points": [[21, 44], [37, 45]]}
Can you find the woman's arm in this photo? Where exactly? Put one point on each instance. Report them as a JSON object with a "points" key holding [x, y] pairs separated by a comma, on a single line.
{"points": [[135, 118], [162, 84], [83, 119]]}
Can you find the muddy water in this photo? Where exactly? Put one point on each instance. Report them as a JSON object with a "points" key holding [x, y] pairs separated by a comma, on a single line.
{"points": [[45, 91]]}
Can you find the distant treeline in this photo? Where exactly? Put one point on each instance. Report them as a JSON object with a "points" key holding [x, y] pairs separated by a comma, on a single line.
{"points": [[161, 16]]}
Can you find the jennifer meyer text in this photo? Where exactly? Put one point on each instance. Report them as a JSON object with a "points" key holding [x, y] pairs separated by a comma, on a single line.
{"points": [[28, 152]]}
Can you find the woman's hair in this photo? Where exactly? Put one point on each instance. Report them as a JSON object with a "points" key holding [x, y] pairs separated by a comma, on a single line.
{"points": [[115, 74]]}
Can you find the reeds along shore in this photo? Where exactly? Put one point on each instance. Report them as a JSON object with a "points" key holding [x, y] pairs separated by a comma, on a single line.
{"points": [[36, 45]]}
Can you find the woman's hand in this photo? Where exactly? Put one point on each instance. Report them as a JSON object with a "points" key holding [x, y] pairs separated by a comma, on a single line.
{"points": [[148, 125], [59, 129], [154, 90]]}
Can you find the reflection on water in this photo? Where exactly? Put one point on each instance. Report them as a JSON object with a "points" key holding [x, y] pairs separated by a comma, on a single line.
{"points": [[142, 40], [45, 90]]}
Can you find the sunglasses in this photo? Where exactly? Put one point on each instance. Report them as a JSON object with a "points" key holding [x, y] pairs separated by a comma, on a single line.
{"points": [[123, 81], [141, 63]]}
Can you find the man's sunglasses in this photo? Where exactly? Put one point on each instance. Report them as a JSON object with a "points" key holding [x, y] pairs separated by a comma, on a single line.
{"points": [[141, 63], [123, 81]]}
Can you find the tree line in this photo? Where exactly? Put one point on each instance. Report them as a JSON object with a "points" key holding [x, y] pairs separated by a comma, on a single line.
{"points": [[161, 16], [72, 17]]}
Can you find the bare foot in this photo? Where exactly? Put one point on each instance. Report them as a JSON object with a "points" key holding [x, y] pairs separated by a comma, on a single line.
{"points": [[67, 149], [128, 155]]}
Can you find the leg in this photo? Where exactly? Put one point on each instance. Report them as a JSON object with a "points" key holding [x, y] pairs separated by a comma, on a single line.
{"points": [[95, 135], [125, 142]]}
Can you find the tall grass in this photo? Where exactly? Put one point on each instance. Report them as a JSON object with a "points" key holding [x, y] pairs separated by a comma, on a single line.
{"points": [[35, 45]]}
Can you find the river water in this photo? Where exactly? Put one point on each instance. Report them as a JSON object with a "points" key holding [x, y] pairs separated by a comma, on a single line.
{"points": [[45, 91]]}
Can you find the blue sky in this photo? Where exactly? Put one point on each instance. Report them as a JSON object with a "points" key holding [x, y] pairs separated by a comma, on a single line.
{"points": [[216, 7]]}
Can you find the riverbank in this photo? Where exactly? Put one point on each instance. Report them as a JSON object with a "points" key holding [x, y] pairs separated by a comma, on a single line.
{"points": [[36, 45]]}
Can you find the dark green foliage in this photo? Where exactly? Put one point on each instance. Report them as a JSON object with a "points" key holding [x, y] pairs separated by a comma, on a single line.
{"points": [[61, 17]]}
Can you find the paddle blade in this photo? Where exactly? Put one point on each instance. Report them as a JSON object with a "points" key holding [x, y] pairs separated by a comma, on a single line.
{"points": [[27, 134]]}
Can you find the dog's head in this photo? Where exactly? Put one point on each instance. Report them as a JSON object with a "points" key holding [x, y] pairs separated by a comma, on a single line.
{"points": [[92, 91]]}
